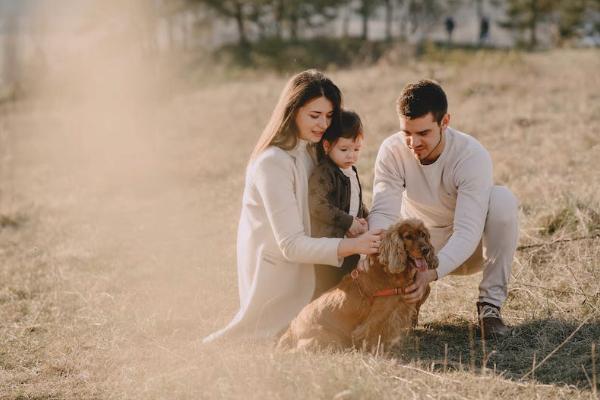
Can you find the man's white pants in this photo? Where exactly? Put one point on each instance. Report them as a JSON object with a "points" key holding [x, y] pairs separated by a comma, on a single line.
{"points": [[494, 255]]}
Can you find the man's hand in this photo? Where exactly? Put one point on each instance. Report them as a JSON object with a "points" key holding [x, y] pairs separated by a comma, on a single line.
{"points": [[415, 291]]}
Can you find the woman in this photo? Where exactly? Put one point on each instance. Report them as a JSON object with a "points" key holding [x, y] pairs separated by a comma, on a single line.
{"points": [[274, 249]]}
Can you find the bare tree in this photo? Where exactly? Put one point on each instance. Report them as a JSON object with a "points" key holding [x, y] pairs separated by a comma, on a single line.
{"points": [[525, 16], [423, 17], [238, 10], [365, 9], [389, 15]]}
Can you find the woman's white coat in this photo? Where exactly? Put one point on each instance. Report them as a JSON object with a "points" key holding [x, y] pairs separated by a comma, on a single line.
{"points": [[275, 253]]}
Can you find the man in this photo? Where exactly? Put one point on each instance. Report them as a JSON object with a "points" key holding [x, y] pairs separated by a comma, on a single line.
{"points": [[444, 177]]}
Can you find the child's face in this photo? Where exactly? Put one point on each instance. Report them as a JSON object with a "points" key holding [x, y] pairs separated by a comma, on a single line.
{"points": [[344, 153]]}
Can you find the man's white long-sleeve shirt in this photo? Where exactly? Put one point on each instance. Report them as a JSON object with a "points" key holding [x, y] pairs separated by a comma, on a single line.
{"points": [[450, 196]]}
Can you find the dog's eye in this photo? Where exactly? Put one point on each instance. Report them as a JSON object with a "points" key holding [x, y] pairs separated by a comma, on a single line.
{"points": [[408, 237]]}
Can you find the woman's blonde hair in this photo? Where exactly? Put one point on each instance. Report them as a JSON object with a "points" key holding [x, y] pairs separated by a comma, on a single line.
{"points": [[281, 130]]}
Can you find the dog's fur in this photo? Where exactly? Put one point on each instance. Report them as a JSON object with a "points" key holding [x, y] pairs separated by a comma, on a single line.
{"points": [[347, 315]]}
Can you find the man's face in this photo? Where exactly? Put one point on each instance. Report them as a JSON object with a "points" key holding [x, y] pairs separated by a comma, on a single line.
{"points": [[423, 136]]}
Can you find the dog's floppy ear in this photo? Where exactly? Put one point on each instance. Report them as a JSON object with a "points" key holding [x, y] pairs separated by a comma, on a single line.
{"points": [[392, 254], [430, 257]]}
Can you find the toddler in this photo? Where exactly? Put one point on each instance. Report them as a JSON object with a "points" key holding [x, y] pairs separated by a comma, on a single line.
{"points": [[335, 195]]}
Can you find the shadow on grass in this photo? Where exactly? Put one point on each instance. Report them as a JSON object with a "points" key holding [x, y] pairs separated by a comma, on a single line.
{"points": [[513, 356]]}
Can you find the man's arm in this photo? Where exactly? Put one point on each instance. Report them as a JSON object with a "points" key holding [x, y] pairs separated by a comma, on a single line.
{"points": [[388, 186], [473, 178]]}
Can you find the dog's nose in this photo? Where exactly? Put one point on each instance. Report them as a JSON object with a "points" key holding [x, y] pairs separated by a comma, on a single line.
{"points": [[425, 250]]}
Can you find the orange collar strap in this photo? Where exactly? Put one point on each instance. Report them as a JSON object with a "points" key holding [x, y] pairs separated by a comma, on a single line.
{"points": [[388, 292], [380, 293]]}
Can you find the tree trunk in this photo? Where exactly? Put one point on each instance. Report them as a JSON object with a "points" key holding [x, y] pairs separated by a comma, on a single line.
{"points": [[533, 24], [403, 23], [294, 26], [279, 10], [364, 8], [346, 24], [389, 14], [256, 19], [240, 22]]}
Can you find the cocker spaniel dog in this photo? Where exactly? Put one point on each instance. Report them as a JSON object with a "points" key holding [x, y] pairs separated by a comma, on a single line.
{"points": [[366, 308]]}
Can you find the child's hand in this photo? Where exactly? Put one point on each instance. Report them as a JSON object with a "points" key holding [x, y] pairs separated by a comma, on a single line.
{"points": [[358, 227], [364, 223]]}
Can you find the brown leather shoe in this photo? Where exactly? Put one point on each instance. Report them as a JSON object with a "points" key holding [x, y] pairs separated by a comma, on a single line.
{"points": [[491, 321]]}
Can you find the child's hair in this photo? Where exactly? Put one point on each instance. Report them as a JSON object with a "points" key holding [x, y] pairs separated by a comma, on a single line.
{"points": [[350, 128]]}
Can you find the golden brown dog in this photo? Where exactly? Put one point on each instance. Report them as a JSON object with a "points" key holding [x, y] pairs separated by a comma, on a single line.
{"points": [[366, 306]]}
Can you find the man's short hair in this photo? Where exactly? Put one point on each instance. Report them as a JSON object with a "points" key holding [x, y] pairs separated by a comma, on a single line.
{"points": [[420, 98]]}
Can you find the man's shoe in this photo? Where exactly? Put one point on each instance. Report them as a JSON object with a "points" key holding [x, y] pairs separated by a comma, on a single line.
{"points": [[491, 322]]}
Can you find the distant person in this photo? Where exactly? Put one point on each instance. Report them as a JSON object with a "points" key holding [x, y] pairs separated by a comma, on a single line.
{"points": [[484, 30], [442, 176], [449, 28], [275, 252], [335, 195]]}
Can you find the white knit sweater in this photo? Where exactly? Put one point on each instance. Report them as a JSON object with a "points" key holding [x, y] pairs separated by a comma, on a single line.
{"points": [[450, 196]]}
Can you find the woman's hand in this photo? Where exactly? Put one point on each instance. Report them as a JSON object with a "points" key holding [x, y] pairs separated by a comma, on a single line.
{"points": [[367, 243], [359, 226]]}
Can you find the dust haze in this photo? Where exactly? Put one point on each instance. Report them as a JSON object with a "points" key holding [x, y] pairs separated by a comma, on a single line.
{"points": [[126, 176]]}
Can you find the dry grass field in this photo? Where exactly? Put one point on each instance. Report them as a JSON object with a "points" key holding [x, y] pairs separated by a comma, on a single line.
{"points": [[118, 216]]}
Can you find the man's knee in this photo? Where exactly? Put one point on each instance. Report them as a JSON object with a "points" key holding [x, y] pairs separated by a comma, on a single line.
{"points": [[503, 207]]}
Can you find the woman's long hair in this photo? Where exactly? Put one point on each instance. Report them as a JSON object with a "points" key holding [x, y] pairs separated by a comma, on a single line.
{"points": [[281, 130]]}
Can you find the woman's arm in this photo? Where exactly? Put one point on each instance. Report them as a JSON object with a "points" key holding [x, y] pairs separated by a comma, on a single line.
{"points": [[274, 180], [367, 243]]}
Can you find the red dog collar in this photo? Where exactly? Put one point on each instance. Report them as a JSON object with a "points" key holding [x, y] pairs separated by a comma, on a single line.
{"points": [[388, 292], [380, 293]]}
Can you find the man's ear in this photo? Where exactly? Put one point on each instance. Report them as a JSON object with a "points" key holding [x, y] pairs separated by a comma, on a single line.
{"points": [[445, 121]]}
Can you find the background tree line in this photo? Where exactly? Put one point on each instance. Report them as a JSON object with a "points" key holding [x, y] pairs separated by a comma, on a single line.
{"points": [[292, 20], [292, 32]]}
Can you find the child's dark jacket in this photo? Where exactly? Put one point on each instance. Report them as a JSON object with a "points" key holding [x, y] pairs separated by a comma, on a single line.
{"points": [[329, 200]]}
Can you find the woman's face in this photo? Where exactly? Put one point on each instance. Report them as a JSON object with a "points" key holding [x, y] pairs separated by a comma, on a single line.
{"points": [[313, 119]]}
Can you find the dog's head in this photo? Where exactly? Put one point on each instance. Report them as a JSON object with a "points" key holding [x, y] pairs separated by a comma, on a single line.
{"points": [[407, 244]]}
